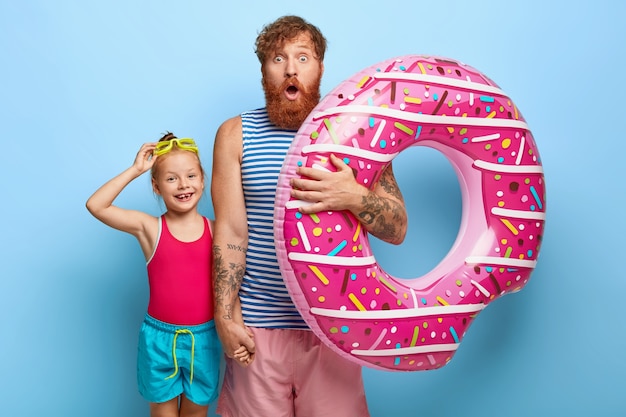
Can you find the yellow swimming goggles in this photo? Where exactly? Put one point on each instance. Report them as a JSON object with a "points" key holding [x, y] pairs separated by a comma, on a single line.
{"points": [[186, 144]]}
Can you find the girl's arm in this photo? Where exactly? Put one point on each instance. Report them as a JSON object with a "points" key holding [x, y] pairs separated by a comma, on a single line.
{"points": [[137, 223]]}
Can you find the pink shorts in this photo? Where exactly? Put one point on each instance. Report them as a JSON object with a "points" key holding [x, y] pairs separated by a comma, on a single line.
{"points": [[293, 374]]}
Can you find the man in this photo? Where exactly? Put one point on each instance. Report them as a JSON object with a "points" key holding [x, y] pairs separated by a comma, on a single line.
{"points": [[290, 371]]}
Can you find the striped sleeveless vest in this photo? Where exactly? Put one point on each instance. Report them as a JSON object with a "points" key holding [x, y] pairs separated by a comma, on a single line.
{"points": [[265, 301]]}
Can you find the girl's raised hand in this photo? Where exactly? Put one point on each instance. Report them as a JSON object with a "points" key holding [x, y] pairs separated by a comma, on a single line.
{"points": [[145, 157]]}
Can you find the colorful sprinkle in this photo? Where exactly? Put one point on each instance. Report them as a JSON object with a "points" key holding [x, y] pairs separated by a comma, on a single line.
{"points": [[536, 196], [363, 81], [403, 128], [356, 302], [338, 248], [510, 226], [319, 274], [454, 335], [331, 131]]}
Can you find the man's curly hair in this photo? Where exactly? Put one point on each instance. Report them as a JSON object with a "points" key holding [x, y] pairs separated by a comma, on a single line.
{"points": [[286, 28]]}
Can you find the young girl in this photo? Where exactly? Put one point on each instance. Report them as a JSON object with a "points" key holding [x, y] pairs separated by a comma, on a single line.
{"points": [[179, 352]]}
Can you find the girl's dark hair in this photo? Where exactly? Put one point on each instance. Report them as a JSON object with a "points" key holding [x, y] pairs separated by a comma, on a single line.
{"points": [[167, 136], [286, 28]]}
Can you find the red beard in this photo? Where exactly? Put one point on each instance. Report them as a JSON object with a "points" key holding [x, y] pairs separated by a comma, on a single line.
{"points": [[288, 114]]}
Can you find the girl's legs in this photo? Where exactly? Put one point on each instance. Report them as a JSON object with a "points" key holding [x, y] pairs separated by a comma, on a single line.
{"points": [[166, 409], [190, 409], [170, 408]]}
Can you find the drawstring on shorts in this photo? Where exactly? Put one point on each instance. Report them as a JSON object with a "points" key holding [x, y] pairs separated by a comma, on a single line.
{"points": [[193, 342]]}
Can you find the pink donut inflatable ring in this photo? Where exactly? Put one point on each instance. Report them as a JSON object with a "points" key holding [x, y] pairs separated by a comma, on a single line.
{"points": [[346, 298]]}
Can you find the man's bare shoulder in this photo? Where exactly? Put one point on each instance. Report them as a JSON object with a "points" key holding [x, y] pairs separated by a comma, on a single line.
{"points": [[229, 138], [230, 128]]}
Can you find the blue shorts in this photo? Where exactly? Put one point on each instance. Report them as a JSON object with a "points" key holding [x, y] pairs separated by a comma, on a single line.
{"points": [[174, 360]]}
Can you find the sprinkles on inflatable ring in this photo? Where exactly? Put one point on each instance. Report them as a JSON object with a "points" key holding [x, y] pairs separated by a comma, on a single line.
{"points": [[346, 298]]}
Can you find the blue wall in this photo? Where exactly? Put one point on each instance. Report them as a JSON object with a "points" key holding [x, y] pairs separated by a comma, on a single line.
{"points": [[83, 84]]}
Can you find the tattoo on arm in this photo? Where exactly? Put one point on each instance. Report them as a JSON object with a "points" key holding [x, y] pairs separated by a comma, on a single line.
{"points": [[384, 217], [228, 312], [373, 215], [238, 248], [226, 281], [388, 183]]}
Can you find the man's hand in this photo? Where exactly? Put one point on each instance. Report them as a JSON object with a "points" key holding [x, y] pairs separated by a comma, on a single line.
{"points": [[381, 210], [327, 191], [236, 341]]}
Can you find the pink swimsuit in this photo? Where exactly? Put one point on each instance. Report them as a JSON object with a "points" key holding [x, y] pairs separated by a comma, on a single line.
{"points": [[180, 278]]}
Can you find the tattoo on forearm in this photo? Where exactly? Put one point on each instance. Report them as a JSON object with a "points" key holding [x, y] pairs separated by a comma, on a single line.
{"points": [[226, 281], [228, 312], [382, 215], [236, 247], [388, 182]]}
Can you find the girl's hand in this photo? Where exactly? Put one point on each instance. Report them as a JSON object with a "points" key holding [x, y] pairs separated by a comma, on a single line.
{"points": [[243, 356], [145, 157]]}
